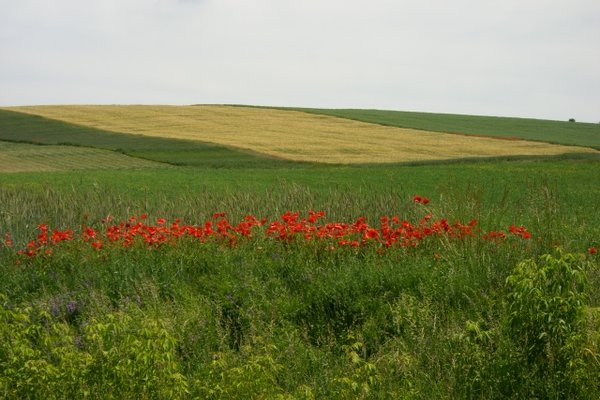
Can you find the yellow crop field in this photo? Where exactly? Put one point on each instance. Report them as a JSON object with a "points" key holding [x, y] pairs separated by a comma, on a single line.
{"points": [[294, 135], [23, 157]]}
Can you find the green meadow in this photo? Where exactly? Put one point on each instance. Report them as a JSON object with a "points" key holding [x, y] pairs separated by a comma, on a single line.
{"points": [[450, 317], [560, 132]]}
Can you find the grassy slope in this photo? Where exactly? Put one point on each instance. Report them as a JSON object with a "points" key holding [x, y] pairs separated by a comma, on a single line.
{"points": [[19, 127], [579, 134]]}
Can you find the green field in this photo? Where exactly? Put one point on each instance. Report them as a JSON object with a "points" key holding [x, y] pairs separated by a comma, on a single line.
{"points": [[561, 132], [25, 157], [295, 319]]}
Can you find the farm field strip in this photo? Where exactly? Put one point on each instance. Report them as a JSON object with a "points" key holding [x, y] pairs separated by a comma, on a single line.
{"points": [[29, 128], [294, 135], [560, 132], [24, 157]]}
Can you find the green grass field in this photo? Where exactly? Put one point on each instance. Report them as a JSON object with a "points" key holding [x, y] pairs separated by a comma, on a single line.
{"points": [[447, 318], [25, 157], [561, 132]]}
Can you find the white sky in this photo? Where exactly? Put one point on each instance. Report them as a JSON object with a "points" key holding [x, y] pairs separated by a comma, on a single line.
{"points": [[526, 58]]}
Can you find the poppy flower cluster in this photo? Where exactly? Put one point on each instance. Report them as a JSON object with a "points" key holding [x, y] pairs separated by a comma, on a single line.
{"points": [[391, 231], [44, 240]]}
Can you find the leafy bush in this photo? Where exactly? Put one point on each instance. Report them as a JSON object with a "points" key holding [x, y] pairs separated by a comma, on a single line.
{"points": [[546, 303], [542, 347], [114, 357]]}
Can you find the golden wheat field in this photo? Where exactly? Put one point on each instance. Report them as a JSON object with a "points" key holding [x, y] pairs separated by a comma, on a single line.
{"points": [[23, 157], [293, 135]]}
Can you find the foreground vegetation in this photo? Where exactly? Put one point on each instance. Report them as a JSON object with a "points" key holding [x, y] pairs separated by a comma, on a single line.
{"points": [[451, 317]]}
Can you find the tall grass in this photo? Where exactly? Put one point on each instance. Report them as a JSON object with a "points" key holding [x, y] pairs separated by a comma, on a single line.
{"points": [[262, 318], [547, 196], [285, 320]]}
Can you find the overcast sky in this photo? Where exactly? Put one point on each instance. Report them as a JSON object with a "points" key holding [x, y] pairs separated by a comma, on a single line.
{"points": [[524, 58]]}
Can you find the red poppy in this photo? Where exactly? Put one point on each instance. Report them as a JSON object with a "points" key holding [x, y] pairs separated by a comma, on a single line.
{"points": [[89, 233], [371, 234], [8, 240], [421, 200]]}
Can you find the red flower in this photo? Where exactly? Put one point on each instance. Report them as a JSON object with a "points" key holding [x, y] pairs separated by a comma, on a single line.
{"points": [[43, 235], [421, 200], [59, 236], [371, 233], [519, 231], [592, 250], [313, 216], [8, 240], [89, 233]]}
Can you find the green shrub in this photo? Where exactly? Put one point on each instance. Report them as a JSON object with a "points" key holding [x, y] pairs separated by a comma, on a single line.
{"points": [[546, 303], [113, 357], [362, 376], [249, 372], [39, 359], [541, 347], [546, 326]]}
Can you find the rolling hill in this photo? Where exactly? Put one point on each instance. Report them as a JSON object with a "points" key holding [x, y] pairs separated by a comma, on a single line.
{"points": [[273, 134]]}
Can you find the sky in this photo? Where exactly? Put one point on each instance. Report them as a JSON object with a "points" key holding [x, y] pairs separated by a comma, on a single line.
{"points": [[519, 58]]}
